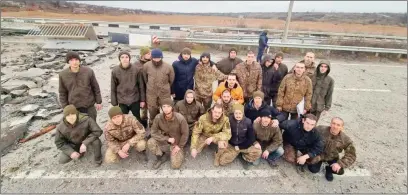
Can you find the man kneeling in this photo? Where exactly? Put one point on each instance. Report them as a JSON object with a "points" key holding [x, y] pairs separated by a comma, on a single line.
{"points": [[122, 132], [74, 134], [242, 140], [169, 136]]}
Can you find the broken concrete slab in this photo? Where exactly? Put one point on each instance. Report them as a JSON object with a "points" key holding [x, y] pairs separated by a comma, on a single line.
{"points": [[91, 59], [49, 57], [5, 99], [52, 107], [46, 114], [105, 51], [86, 45], [55, 120], [18, 93], [18, 100], [10, 136], [49, 65], [17, 84], [37, 92], [40, 82], [32, 72], [29, 108], [23, 120]]}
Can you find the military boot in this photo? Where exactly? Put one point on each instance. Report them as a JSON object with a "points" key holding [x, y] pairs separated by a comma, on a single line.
{"points": [[160, 160], [217, 156], [144, 156]]}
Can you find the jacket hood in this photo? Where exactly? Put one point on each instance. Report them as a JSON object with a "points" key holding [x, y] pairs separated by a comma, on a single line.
{"points": [[263, 33], [327, 62], [187, 92], [80, 119], [226, 85], [251, 104], [266, 58]]}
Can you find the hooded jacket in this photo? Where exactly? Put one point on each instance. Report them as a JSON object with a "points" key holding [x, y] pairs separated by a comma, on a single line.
{"points": [[237, 93], [158, 78], [252, 113], [263, 40], [191, 112], [272, 78], [242, 132], [184, 72], [204, 76], [227, 64], [323, 86], [291, 92], [84, 131], [139, 63], [127, 85], [177, 128], [249, 77]]}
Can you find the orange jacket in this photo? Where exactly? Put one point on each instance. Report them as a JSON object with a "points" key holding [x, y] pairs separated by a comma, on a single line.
{"points": [[237, 93]]}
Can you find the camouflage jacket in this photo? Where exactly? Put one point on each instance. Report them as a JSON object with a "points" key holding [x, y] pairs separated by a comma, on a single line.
{"points": [[220, 131], [334, 145], [270, 138], [310, 70], [130, 131], [228, 108], [249, 77], [291, 91], [204, 77]]}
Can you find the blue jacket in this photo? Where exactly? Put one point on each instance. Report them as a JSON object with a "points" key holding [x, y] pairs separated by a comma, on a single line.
{"points": [[252, 113], [183, 76], [263, 40], [242, 133]]}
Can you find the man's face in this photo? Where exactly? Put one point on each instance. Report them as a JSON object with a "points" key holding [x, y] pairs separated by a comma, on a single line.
{"points": [[216, 113], [147, 56], [233, 54], [232, 80], [309, 58], [299, 69], [268, 63], [117, 120], [74, 63], [226, 97], [278, 60], [336, 126], [167, 109], [71, 118], [189, 98], [265, 121], [124, 60], [238, 115], [308, 124], [250, 58], [323, 68], [258, 101], [185, 56], [156, 59], [205, 59]]}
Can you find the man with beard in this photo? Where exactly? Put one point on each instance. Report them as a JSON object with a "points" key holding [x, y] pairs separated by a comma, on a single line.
{"points": [[122, 132], [145, 56], [75, 133], [249, 74], [293, 88], [263, 44], [184, 69], [159, 77], [127, 90], [323, 86], [169, 136], [309, 61], [226, 102], [206, 73], [273, 71], [213, 127], [190, 108], [232, 85], [227, 64], [78, 86]]}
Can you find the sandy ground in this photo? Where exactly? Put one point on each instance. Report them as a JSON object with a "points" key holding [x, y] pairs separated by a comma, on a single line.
{"points": [[221, 21], [374, 119]]}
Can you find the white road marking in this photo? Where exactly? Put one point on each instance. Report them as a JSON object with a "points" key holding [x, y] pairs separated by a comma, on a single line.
{"points": [[372, 65], [350, 173], [368, 90], [146, 174]]}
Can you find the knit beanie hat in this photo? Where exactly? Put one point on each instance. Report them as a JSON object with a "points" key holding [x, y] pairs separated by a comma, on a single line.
{"points": [[238, 106], [70, 109], [205, 54], [265, 113], [124, 53], [71, 55], [116, 110], [258, 94], [186, 51], [144, 51], [167, 101], [279, 54], [157, 53]]}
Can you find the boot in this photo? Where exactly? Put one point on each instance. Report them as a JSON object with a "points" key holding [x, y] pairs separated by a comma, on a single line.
{"points": [[272, 163], [329, 174], [217, 156], [245, 163], [300, 168], [144, 156], [160, 160]]}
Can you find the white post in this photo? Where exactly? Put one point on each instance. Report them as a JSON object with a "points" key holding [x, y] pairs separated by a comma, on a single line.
{"points": [[285, 34]]}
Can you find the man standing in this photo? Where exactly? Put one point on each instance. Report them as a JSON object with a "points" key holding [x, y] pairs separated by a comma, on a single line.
{"points": [[184, 69], [75, 133], [145, 56], [323, 86], [273, 71], [301, 135], [309, 61], [212, 127], [269, 138], [254, 108], [159, 77], [127, 90], [206, 73], [169, 136], [79, 87], [121, 133], [292, 90], [263, 44], [190, 108], [232, 85], [249, 75], [227, 64]]}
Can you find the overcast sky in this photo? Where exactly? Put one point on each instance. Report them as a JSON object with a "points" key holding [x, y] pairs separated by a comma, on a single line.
{"points": [[259, 6]]}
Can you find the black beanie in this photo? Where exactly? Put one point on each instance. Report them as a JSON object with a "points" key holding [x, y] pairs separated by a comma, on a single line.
{"points": [[265, 113], [124, 52], [205, 54], [71, 55]]}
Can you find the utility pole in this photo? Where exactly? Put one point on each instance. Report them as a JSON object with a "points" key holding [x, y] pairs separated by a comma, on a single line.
{"points": [[285, 34]]}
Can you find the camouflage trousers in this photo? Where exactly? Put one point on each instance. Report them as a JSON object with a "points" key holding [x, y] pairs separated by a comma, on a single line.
{"points": [[158, 150], [206, 101], [291, 154], [112, 157], [201, 145], [250, 154]]}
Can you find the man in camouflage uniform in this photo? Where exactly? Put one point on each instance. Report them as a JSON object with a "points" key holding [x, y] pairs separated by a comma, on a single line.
{"points": [[242, 140], [293, 88], [309, 61], [249, 75], [121, 133], [206, 73], [169, 136], [335, 141], [212, 127], [190, 108], [226, 102], [158, 77], [323, 86]]}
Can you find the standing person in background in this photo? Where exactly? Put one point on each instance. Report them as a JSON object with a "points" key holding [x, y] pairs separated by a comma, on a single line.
{"points": [[228, 64], [145, 56], [263, 44], [184, 69], [323, 86], [273, 71]]}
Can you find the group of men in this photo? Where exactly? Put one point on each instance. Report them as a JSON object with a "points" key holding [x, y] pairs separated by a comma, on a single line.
{"points": [[244, 117]]}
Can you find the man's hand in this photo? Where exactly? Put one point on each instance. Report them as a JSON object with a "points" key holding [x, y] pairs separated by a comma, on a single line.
{"points": [[236, 148], [304, 111], [336, 167], [257, 146], [279, 109], [142, 104], [82, 149], [209, 140], [275, 123], [123, 154], [171, 140], [75, 155], [265, 154], [215, 68], [302, 159], [175, 150], [98, 107], [219, 101], [126, 147], [222, 144], [257, 120], [276, 66], [193, 153], [173, 95]]}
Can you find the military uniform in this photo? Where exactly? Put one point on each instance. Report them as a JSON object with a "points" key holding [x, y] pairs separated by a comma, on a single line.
{"points": [[323, 86], [249, 78]]}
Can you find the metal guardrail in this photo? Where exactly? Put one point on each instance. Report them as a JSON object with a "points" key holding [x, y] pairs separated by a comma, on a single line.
{"points": [[188, 27]]}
